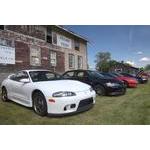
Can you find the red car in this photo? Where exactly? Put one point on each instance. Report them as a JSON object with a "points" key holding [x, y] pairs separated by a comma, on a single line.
{"points": [[130, 82]]}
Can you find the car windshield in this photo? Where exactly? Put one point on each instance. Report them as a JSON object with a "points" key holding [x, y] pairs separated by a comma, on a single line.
{"points": [[126, 74], [96, 74], [116, 74], [38, 76], [107, 75]]}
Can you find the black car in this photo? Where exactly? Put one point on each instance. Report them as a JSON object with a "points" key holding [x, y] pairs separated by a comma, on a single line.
{"points": [[139, 79], [101, 84]]}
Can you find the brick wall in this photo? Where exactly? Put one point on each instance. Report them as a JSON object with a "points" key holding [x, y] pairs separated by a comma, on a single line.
{"points": [[22, 44], [34, 31], [24, 37]]}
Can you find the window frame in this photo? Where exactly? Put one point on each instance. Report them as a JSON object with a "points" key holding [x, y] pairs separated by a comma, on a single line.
{"points": [[77, 45], [2, 27], [85, 74], [73, 61], [80, 60], [49, 34], [64, 75], [54, 34], [32, 63], [17, 79], [52, 52]]}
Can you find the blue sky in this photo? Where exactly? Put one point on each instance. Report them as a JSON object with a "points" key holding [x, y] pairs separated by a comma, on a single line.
{"points": [[128, 43]]}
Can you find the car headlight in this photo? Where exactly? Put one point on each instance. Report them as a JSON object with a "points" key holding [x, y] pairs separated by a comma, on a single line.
{"points": [[63, 94], [109, 84]]}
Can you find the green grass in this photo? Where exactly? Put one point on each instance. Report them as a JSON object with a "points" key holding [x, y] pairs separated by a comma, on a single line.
{"points": [[132, 108]]}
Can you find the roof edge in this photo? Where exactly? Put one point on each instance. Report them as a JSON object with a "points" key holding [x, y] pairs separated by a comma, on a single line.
{"points": [[73, 33]]}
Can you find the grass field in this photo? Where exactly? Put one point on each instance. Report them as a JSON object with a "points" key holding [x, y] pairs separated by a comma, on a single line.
{"points": [[132, 108]]}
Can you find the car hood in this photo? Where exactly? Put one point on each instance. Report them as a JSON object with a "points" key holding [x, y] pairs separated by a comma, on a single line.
{"points": [[62, 85], [109, 79], [128, 79]]}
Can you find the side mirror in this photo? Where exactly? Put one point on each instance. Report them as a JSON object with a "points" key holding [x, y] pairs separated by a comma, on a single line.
{"points": [[25, 80]]}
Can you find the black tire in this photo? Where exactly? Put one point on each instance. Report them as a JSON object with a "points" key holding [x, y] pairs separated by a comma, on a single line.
{"points": [[4, 95], [100, 90], [39, 104]]}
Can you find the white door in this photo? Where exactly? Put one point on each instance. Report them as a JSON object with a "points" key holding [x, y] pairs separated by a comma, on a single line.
{"points": [[20, 89]]}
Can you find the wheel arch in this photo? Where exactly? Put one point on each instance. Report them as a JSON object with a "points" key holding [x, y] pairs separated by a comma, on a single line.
{"points": [[99, 84], [33, 92], [3, 86]]}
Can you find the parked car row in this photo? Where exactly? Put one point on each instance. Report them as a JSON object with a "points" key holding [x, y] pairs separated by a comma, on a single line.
{"points": [[74, 91], [103, 85]]}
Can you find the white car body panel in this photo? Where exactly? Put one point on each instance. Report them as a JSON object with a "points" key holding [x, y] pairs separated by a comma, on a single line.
{"points": [[22, 93]]}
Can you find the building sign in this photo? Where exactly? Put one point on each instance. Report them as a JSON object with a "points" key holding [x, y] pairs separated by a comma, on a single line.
{"points": [[7, 55], [62, 41]]}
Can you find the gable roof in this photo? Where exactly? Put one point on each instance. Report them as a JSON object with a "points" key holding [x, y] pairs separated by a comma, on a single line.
{"points": [[72, 33]]}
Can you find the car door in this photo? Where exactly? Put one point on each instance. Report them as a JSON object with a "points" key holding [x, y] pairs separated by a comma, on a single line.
{"points": [[20, 89], [69, 75], [83, 77]]}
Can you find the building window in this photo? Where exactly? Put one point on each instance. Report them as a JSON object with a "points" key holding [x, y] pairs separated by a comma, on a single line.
{"points": [[53, 58], [1, 27], [76, 45], [80, 62], [35, 56], [71, 61], [49, 35], [55, 38]]}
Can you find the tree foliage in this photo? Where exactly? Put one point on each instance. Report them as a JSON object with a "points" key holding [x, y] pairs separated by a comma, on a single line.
{"points": [[147, 67], [102, 61]]}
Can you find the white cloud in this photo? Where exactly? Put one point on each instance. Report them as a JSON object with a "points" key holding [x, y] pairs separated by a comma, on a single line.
{"points": [[145, 59], [139, 53], [132, 63]]}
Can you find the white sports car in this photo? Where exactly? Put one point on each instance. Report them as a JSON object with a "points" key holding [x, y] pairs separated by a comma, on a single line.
{"points": [[46, 93]]}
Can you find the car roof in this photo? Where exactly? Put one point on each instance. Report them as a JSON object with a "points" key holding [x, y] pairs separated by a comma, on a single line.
{"points": [[36, 70], [79, 70]]}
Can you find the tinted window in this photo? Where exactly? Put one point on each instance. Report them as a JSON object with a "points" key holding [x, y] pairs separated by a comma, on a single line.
{"points": [[20, 75], [96, 74], [116, 74], [81, 74], [37, 76], [107, 75], [68, 74], [126, 74]]}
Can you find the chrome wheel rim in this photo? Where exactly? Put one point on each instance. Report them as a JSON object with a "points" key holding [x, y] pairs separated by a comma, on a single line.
{"points": [[39, 105]]}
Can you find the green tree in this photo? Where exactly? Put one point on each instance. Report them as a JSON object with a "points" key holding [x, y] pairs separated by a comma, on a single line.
{"points": [[113, 63], [102, 61], [147, 67]]}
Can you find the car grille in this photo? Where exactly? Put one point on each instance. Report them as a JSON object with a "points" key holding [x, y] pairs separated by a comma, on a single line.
{"points": [[85, 103]]}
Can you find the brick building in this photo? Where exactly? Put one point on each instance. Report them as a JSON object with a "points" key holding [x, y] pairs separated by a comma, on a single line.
{"points": [[36, 46]]}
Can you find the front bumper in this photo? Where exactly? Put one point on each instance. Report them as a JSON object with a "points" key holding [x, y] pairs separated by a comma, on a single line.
{"points": [[132, 85], [143, 81], [116, 91], [71, 105]]}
